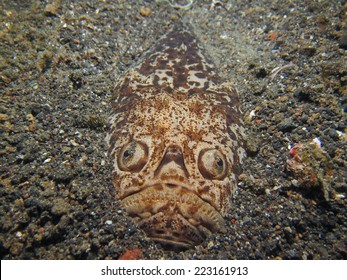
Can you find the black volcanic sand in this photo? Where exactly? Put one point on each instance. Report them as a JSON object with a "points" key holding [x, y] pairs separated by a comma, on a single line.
{"points": [[58, 66]]}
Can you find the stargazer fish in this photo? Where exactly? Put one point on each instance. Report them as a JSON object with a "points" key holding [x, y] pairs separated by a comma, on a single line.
{"points": [[176, 139]]}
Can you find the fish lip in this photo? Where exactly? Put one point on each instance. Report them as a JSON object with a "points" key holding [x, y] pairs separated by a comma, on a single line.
{"points": [[173, 199], [170, 184]]}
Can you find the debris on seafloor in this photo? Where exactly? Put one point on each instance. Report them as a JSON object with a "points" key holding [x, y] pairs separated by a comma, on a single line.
{"points": [[312, 168], [133, 254]]}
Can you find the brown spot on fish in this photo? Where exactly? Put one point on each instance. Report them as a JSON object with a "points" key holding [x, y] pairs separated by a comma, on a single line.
{"points": [[176, 142]]}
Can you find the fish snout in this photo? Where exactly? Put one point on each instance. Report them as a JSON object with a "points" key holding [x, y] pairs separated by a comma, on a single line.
{"points": [[172, 166]]}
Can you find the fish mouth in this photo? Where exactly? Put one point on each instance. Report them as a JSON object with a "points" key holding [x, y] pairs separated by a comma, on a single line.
{"points": [[173, 215]]}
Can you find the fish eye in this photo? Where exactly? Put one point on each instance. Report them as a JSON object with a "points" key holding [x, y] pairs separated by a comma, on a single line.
{"points": [[133, 156], [212, 164]]}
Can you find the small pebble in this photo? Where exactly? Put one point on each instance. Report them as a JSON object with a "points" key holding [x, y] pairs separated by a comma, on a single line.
{"points": [[145, 11], [3, 117], [134, 254], [52, 9], [343, 40], [108, 222]]}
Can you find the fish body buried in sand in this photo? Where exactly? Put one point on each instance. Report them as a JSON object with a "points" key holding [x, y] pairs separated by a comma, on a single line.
{"points": [[176, 141]]}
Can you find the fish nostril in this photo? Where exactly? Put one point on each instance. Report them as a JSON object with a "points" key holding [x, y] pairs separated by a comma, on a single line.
{"points": [[172, 162], [173, 150], [173, 153]]}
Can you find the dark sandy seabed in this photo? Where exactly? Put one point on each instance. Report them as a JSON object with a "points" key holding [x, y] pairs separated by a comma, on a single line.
{"points": [[58, 66]]}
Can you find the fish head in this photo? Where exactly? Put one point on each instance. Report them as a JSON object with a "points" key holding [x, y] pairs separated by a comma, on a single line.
{"points": [[175, 165]]}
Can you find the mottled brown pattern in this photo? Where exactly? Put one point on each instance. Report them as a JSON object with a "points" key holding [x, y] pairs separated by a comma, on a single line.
{"points": [[176, 142]]}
